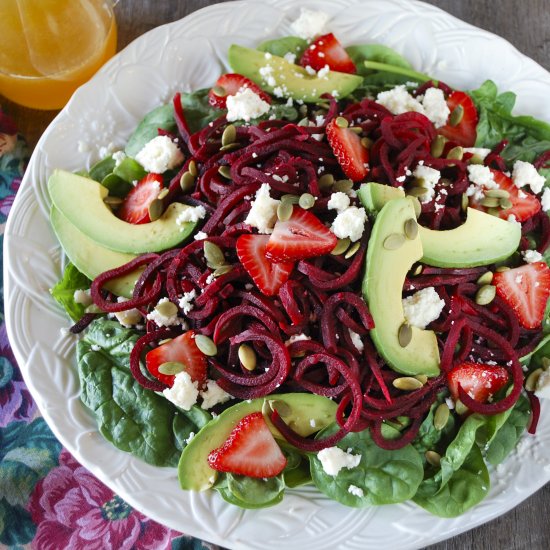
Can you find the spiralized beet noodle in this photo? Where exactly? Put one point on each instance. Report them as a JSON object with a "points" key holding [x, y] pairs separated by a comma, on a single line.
{"points": [[304, 337]]}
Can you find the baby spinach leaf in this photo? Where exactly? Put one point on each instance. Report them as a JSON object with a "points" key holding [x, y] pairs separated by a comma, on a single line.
{"points": [[385, 477], [378, 53], [134, 419], [63, 291], [429, 438], [256, 492], [284, 45], [101, 169], [466, 487]]}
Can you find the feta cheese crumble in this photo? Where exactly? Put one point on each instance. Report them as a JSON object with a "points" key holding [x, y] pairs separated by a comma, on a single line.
{"points": [[333, 459], [423, 307], [428, 178], [163, 320], [159, 154], [531, 256], [83, 297], [545, 200], [186, 301], [480, 152], [200, 236], [297, 338], [129, 317], [213, 395], [481, 178], [399, 101], [118, 157], [245, 105], [355, 491], [524, 173], [310, 23], [356, 340], [542, 390], [435, 106], [263, 213], [350, 223], [184, 391], [191, 214], [338, 201]]}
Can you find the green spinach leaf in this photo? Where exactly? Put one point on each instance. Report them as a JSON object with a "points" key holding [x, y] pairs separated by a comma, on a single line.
{"points": [[282, 46], [63, 291], [378, 53]]}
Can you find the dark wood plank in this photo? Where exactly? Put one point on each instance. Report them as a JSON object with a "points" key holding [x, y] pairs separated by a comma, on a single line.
{"points": [[525, 24]]}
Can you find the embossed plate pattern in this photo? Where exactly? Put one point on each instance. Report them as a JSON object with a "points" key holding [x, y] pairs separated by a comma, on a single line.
{"points": [[187, 55]]}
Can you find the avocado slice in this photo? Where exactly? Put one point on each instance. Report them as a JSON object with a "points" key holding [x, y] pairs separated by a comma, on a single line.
{"points": [[91, 258], [481, 240], [195, 474], [385, 274], [80, 200], [294, 80]]}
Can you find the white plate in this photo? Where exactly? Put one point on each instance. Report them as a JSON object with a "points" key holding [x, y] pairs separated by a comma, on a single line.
{"points": [[185, 55]]}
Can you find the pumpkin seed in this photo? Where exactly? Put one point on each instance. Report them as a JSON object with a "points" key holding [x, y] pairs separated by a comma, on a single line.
{"points": [[411, 229], [156, 208], [302, 110], [465, 202], [282, 408], [341, 122], [167, 309], [433, 458], [162, 195], [456, 153], [353, 249], [416, 205], [187, 182], [438, 144], [229, 135], [192, 167], [404, 336], [494, 211], [229, 147], [284, 211], [225, 171], [407, 383], [292, 199], [341, 246], [394, 241], [213, 254], [532, 379], [505, 204], [206, 345], [325, 181], [545, 362], [113, 202], [460, 408], [422, 378], [456, 116], [490, 202], [418, 269], [222, 270], [475, 159], [417, 191], [485, 295], [502, 268], [323, 105], [165, 341], [306, 201], [485, 279], [247, 357], [497, 193], [343, 185], [356, 129], [441, 416], [220, 91], [171, 367], [303, 122]]}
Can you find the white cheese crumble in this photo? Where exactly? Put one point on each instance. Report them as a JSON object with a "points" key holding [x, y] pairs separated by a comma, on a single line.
{"points": [[482, 178], [129, 317], [355, 491], [339, 201], [423, 307], [191, 214], [297, 338], [186, 301], [213, 395], [480, 152], [356, 340], [310, 23], [159, 154], [399, 101], [545, 200], [322, 73], [524, 173], [435, 106], [263, 212], [333, 459], [82, 297], [428, 177], [290, 57], [245, 105], [184, 391], [350, 223], [542, 389], [531, 256], [163, 320], [201, 235], [118, 157]]}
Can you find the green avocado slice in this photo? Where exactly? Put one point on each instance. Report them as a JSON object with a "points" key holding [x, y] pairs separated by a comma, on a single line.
{"points": [[294, 81], [80, 200], [386, 269], [91, 258], [307, 414]]}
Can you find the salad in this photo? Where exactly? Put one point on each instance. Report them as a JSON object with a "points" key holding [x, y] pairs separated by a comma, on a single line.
{"points": [[327, 268]]}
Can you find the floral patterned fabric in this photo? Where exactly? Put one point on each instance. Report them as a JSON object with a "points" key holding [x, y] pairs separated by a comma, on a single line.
{"points": [[47, 500]]}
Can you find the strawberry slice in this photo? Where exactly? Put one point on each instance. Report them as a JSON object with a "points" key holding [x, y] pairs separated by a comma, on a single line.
{"points": [[268, 276], [464, 133], [347, 147], [135, 207], [327, 50], [524, 204], [526, 290], [479, 381], [302, 236], [230, 84], [250, 450], [181, 349]]}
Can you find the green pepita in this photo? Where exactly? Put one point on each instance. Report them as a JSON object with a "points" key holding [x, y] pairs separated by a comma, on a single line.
{"points": [[229, 135], [485, 295], [438, 144], [417, 191], [532, 379], [222, 270], [171, 367], [292, 199], [545, 362], [163, 194], [460, 408], [192, 167], [356, 129], [306, 201], [465, 202], [352, 250], [422, 378], [456, 116], [303, 122], [416, 205], [156, 208], [366, 142], [343, 185], [113, 202], [404, 337], [325, 181], [167, 309], [475, 159], [497, 193], [494, 211], [411, 229], [229, 147], [220, 91], [206, 345], [213, 254], [341, 246], [433, 458], [502, 268], [407, 383], [505, 204], [394, 241], [490, 202], [225, 171], [247, 357], [417, 270], [284, 211], [485, 279], [441, 416], [456, 153], [341, 122], [302, 110], [187, 182]]}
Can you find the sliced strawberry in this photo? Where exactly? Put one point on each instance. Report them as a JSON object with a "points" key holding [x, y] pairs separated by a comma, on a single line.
{"points": [[230, 84], [135, 208], [181, 349], [464, 133], [349, 151], [250, 450], [302, 236], [479, 381], [327, 50], [526, 290], [268, 276], [524, 204]]}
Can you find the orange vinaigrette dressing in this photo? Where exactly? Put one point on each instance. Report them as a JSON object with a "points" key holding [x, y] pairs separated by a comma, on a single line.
{"points": [[50, 47]]}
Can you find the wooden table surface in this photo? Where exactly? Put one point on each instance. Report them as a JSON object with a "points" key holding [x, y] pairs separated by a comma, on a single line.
{"points": [[526, 24]]}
